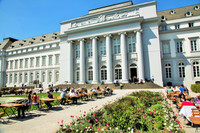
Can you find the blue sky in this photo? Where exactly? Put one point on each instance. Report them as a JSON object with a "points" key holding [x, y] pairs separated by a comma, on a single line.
{"points": [[22, 19]]}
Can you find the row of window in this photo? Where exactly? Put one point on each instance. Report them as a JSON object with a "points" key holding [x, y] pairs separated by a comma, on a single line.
{"points": [[176, 26], [33, 61], [19, 78], [181, 70], [102, 47], [179, 46], [103, 73]]}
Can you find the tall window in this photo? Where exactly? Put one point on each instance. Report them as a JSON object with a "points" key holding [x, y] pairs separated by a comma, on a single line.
{"points": [[15, 78], [102, 48], [37, 61], [43, 60], [26, 63], [103, 73], [193, 44], [166, 47], [57, 59], [11, 64], [16, 64], [50, 76], [57, 76], [89, 49], [43, 77], [21, 63], [37, 76], [131, 44], [179, 46], [77, 51], [118, 72], [168, 70], [90, 73], [25, 77], [10, 78], [78, 74], [31, 62], [50, 60], [20, 78], [196, 67], [181, 68], [116, 45], [31, 77]]}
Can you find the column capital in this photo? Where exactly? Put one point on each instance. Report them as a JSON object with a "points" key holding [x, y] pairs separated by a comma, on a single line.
{"points": [[83, 39], [125, 33], [94, 37], [70, 41], [139, 30], [109, 35]]}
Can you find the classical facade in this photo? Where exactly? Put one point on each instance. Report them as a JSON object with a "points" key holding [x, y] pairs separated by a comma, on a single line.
{"points": [[115, 42]]}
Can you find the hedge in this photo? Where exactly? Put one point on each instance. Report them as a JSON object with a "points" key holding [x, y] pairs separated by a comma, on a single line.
{"points": [[195, 88], [6, 88]]}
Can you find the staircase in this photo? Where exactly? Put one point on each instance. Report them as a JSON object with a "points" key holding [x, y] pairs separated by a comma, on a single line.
{"points": [[147, 85]]}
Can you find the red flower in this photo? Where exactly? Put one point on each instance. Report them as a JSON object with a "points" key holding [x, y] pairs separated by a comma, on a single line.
{"points": [[98, 128], [89, 126], [70, 123], [107, 124], [61, 121], [81, 123], [94, 114], [95, 119], [88, 120]]}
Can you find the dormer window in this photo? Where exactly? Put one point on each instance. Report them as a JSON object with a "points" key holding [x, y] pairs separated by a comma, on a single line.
{"points": [[41, 40], [196, 8], [54, 34], [24, 40], [43, 36], [189, 13], [163, 18], [33, 38], [30, 42], [12, 46], [21, 44], [172, 12], [54, 37]]}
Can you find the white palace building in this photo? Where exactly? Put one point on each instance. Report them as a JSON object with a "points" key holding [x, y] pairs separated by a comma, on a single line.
{"points": [[115, 42]]}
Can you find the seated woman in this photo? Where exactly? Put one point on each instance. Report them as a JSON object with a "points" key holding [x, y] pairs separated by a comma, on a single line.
{"points": [[35, 99], [182, 97], [188, 102]]}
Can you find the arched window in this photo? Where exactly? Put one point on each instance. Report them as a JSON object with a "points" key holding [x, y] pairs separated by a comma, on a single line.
{"points": [[77, 74], [181, 68], [133, 66], [43, 77], [31, 77], [15, 78], [25, 77], [50, 76], [168, 70], [196, 71], [118, 72], [10, 78], [103, 73], [20, 78], [90, 73], [57, 76]]}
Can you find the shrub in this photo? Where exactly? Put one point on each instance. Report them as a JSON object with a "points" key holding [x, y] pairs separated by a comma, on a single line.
{"points": [[195, 88]]}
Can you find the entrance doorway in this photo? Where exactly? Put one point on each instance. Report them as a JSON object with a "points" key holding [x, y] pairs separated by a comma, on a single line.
{"points": [[133, 72]]}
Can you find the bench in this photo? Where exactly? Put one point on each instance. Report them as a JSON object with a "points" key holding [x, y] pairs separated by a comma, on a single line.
{"points": [[195, 118]]}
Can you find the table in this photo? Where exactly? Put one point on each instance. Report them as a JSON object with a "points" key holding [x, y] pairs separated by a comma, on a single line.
{"points": [[12, 107], [10, 99], [47, 99]]}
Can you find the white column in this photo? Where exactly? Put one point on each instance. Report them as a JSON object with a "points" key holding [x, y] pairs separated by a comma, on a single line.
{"points": [[40, 61], [23, 75], [124, 57], [53, 76], [95, 60], [29, 77], [47, 61], [8, 82], [18, 77], [13, 79], [82, 62], [109, 59], [71, 72], [47, 77], [139, 50], [40, 76]]}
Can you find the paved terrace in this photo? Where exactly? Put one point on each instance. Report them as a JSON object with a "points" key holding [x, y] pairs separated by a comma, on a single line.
{"points": [[46, 121]]}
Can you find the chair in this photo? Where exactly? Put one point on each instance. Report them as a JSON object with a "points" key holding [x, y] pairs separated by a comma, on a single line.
{"points": [[195, 118], [1, 114]]}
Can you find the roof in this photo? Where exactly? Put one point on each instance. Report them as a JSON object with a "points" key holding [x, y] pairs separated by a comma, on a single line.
{"points": [[179, 12], [35, 40]]}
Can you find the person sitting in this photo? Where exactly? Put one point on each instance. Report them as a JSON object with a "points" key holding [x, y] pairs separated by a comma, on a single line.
{"points": [[130, 80], [116, 83], [197, 99], [20, 91], [185, 90], [169, 89], [95, 92], [63, 99], [73, 96], [181, 88], [182, 97], [57, 88], [48, 103], [35, 99], [41, 89], [121, 86], [188, 102]]}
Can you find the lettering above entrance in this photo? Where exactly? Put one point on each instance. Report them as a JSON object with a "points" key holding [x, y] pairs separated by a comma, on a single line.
{"points": [[103, 18]]}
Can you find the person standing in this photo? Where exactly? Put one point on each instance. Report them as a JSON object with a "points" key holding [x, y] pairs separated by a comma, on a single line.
{"points": [[63, 99]]}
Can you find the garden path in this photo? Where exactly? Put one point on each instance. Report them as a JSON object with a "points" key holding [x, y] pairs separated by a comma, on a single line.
{"points": [[47, 122]]}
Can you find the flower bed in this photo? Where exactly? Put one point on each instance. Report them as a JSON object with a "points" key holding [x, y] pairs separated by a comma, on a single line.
{"points": [[142, 111]]}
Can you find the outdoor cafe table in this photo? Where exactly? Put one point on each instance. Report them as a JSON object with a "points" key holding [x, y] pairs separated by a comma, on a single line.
{"points": [[47, 99], [12, 106]]}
